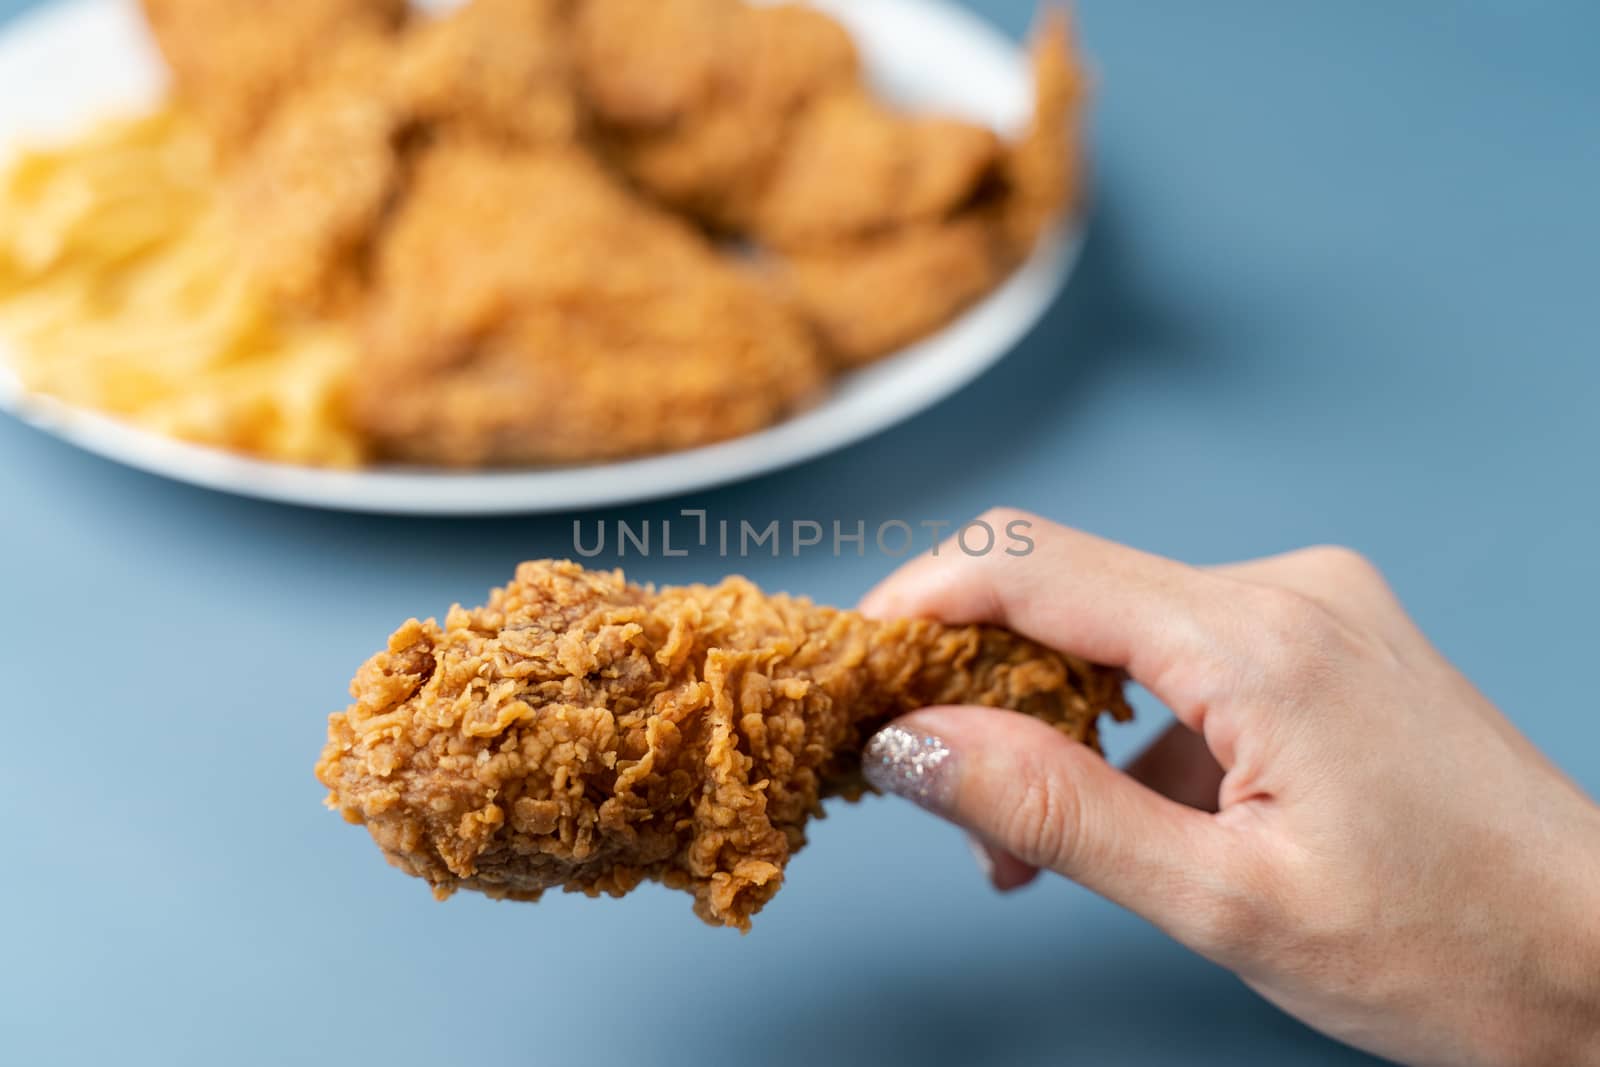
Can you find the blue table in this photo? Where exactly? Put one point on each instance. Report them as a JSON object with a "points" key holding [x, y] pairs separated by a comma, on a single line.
{"points": [[1341, 286]]}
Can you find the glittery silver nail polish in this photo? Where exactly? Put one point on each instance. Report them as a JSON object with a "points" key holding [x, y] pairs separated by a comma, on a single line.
{"points": [[909, 764]]}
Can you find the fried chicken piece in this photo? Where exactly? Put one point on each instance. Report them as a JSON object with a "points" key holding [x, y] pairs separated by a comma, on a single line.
{"points": [[499, 68], [645, 64], [1042, 171], [330, 167], [693, 97], [234, 61], [517, 304], [653, 64], [852, 167], [875, 295], [941, 220], [310, 196], [755, 120], [884, 225], [582, 732], [528, 309]]}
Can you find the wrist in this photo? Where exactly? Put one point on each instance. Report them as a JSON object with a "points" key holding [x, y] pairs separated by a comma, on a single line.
{"points": [[1567, 1029], [1586, 937], [1538, 998]]}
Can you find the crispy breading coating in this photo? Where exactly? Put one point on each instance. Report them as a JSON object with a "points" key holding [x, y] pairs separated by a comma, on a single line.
{"points": [[1043, 172], [331, 166], [885, 225], [574, 321], [897, 266], [581, 732], [852, 167], [693, 97], [499, 68], [233, 62], [874, 295], [313, 191], [649, 63]]}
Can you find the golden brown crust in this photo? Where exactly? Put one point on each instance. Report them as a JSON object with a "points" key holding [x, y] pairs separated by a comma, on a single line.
{"points": [[875, 295], [575, 323], [944, 211], [1044, 170], [234, 61], [693, 97], [328, 170], [853, 168], [310, 196], [581, 732], [500, 69]]}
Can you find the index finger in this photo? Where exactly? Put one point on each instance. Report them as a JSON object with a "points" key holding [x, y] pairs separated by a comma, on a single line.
{"points": [[1074, 592]]}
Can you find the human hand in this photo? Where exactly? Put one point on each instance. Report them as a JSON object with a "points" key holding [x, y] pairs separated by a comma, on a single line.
{"points": [[1338, 815]]}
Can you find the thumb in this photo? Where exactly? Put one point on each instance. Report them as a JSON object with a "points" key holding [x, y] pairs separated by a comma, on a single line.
{"points": [[1055, 803]]}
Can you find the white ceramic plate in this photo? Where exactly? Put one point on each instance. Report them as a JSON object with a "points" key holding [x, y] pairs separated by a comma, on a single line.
{"points": [[68, 63]]}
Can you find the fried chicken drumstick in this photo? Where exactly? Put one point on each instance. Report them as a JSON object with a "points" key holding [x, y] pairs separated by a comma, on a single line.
{"points": [[583, 732]]}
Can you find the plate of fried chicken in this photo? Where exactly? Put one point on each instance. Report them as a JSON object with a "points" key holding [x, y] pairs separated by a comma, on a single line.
{"points": [[594, 251]]}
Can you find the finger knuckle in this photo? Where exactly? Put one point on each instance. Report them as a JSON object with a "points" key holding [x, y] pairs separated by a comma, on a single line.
{"points": [[1040, 826], [997, 527], [1294, 635], [1002, 515], [1344, 565]]}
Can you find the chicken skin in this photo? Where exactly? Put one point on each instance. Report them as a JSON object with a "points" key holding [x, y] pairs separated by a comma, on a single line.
{"points": [[585, 733]]}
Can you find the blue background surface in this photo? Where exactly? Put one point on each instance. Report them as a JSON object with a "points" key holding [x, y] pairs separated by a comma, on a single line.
{"points": [[1341, 286]]}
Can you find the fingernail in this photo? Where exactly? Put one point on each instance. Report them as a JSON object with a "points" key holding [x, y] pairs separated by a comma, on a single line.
{"points": [[910, 764], [980, 852]]}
